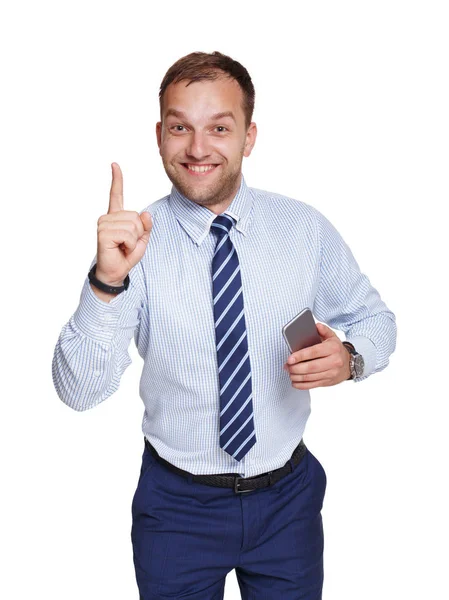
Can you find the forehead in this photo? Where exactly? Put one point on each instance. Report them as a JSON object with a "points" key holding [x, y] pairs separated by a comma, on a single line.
{"points": [[201, 99]]}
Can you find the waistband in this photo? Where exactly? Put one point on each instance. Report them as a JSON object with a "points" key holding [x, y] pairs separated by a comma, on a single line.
{"points": [[239, 484]]}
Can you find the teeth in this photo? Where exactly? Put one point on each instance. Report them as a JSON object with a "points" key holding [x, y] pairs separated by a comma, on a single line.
{"points": [[200, 169]]}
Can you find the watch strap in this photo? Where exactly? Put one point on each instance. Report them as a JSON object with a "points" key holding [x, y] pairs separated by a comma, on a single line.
{"points": [[108, 289], [356, 362], [350, 348]]}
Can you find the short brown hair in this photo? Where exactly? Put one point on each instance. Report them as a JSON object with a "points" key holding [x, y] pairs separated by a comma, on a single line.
{"points": [[198, 66]]}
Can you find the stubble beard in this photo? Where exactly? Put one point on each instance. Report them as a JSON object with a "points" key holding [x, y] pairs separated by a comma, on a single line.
{"points": [[224, 189]]}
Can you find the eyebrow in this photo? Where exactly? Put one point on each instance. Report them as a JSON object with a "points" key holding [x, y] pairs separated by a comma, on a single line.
{"points": [[181, 115]]}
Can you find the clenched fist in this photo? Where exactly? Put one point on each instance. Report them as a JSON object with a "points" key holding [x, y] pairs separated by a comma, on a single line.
{"points": [[122, 236]]}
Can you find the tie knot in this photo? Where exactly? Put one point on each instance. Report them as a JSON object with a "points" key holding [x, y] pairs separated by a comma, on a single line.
{"points": [[222, 224]]}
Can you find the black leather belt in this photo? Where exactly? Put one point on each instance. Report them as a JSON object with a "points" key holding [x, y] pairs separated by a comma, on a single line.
{"points": [[233, 480]]}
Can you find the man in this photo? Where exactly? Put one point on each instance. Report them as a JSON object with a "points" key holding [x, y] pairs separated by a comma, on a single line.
{"points": [[205, 285]]}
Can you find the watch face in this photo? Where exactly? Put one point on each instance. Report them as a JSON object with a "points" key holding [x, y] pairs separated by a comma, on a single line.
{"points": [[359, 365]]}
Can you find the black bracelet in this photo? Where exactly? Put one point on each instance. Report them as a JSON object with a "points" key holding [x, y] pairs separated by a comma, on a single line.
{"points": [[109, 289]]}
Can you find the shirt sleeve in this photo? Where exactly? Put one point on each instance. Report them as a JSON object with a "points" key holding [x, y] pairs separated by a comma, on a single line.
{"points": [[347, 301], [91, 353]]}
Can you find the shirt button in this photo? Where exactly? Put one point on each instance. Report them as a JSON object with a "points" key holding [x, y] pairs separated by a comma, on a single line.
{"points": [[97, 373], [107, 318]]}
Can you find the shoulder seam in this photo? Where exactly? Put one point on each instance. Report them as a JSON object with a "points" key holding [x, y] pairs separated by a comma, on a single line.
{"points": [[274, 195]]}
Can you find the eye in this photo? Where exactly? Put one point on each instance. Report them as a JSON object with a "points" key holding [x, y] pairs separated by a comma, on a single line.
{"points": [[177, 128], [221, 128]]}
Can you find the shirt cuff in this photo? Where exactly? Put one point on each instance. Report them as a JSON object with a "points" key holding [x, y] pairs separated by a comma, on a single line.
{"points": [[367, 349], [95, 318]]}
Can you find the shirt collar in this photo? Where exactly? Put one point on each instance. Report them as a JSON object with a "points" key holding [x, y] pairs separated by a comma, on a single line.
{"points": [[196, 220]]}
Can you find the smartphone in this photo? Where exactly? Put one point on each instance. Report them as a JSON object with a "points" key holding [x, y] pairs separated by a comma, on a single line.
{"points": [[301, 331]]}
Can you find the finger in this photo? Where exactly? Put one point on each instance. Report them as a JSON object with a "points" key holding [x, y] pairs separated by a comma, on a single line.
{"points": [[135, 227], [117, 237], [147, 221], [317, 351], [325, 331], [324, 375], [116, 193], [319, 365]]}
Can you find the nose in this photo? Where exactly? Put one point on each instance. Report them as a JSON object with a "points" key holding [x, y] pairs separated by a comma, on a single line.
{"points": [[198, 147]]}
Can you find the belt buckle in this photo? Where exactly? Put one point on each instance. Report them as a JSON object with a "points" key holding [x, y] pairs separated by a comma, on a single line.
{"points": [[236, 486]]}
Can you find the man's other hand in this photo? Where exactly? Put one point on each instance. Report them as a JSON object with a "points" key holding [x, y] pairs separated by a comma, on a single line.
{"points": [[321, 365]]}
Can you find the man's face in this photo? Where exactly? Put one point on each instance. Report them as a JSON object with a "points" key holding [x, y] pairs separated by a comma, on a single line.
{"points": [[203, 138]]}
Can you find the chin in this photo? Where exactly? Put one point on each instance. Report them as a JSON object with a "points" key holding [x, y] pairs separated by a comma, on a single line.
{"points": [[204, 197], [198, 193]]}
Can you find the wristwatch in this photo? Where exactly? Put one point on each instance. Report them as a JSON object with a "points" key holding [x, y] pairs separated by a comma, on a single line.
{"points": [[109, 289], [356, 362]]}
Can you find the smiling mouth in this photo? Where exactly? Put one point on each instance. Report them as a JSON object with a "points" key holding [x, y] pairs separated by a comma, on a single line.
{"points": [[199, 169]]}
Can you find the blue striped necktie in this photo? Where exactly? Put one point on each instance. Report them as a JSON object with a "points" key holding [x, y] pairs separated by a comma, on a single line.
{"points": [[237, 433]]}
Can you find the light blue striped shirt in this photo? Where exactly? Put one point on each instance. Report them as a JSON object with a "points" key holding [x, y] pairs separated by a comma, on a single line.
{"points": [[290, 257]]}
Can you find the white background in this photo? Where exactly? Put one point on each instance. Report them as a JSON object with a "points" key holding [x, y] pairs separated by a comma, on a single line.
{"points": [[352, 111]]}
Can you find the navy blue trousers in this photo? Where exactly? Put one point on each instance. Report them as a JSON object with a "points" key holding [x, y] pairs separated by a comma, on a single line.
{"points": [[187, 536]]}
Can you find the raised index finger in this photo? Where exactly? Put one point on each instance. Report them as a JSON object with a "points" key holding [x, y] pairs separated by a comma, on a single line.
{"points": [[116, 194]]}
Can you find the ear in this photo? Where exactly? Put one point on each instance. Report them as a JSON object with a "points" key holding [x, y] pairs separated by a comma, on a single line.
{"points": [[159, 134], [251, 135]]}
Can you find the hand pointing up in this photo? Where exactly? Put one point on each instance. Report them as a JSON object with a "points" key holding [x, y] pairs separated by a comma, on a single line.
{"points": [[122, 236]]}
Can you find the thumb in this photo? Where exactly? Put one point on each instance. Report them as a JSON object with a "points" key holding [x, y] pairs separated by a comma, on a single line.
{"points": [[325, 331], [147, 222]]}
